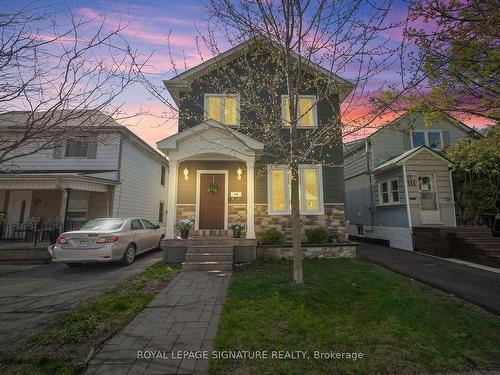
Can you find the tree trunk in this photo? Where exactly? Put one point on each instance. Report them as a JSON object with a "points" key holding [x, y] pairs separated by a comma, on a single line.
{"points": [[298, 277]]}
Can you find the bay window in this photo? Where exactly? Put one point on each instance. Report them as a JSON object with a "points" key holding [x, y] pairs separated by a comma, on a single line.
{"points": [[306, 111], [222, 108], [310, 190]]}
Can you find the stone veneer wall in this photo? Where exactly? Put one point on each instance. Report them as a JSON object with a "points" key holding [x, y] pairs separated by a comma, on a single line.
{"points": [[333, 219], [186, 211], [321, 251]]}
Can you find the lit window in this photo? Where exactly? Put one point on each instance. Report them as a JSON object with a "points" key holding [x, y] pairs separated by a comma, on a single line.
{"points": [[310, 190], [222, 108], [389, 192], [278, 191], [306, 111], [432, 139]]}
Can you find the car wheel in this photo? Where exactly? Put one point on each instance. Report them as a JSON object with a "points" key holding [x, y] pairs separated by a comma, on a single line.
{"points": [[129, 255], [73, 265]]}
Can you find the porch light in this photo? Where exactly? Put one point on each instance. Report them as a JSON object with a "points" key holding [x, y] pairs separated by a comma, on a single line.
{"points": [[239, 172], [186, 174]]}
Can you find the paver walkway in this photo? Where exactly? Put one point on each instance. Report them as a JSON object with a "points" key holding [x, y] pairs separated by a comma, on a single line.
{"points": [[182, 317]]}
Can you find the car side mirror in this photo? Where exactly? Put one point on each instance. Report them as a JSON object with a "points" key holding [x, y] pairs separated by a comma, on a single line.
{"points": [[157, 226]]}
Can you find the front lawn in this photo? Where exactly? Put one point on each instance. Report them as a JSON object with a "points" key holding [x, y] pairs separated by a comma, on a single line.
{"points": [[64, 346], [399, 325]]}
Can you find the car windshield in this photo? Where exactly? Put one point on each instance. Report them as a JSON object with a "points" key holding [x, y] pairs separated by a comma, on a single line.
{"points": [[103, 224]]}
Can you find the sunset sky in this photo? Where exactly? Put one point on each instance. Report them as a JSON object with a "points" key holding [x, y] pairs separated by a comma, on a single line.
{"points": [[148, 24]]}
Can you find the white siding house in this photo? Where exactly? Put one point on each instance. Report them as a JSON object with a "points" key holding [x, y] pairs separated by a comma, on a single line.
{"points": [[108, 171], [397, 179]]}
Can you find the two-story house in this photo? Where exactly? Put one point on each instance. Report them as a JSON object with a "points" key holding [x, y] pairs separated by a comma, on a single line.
{"points": [[397, 179], [221, 166], [106, 171]]}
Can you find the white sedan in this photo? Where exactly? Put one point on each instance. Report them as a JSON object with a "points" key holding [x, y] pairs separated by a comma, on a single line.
{"points": [[107, 240]]}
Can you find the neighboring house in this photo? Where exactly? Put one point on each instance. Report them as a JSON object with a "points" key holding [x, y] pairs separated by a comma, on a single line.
{"points": [[397, 179], [105, 172], [221, 173]]}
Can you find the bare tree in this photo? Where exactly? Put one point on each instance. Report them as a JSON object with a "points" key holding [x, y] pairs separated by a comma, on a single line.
{"points": [[293, 47], [56, 81]]}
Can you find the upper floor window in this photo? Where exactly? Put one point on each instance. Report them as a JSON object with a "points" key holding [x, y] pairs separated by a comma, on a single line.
{"points": [[310, 190], [388, 192], [432, 139], [222, 108], [76, 149], [163, 173], [307, 113]]}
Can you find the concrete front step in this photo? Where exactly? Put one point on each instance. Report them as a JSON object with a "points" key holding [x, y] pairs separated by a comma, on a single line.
{"points": [[207, 266], [210, 249], [210, 257]]}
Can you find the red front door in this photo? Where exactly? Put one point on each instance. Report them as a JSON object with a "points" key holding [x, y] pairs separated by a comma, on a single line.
{"points": [[212, 202]]}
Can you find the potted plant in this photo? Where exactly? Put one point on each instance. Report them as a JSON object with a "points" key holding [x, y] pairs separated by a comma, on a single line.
{"points": [[237, 227], [184, 226]]}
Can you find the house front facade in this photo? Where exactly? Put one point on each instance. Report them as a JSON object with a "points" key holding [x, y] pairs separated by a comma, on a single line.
{"points": [[103, 172], [398, 179], [223, 169]]}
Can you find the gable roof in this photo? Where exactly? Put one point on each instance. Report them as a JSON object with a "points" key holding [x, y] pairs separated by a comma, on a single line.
{"points": [[170, 143], [183, 80], [355, 145], [400, 159]]}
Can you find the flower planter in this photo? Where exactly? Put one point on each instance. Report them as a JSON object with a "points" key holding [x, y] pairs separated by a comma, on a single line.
{"points": [[184, 234], [237, 233]]}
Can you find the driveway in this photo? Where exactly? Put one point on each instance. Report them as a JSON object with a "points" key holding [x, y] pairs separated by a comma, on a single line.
{"points": [[31, 300], [475, 285]]}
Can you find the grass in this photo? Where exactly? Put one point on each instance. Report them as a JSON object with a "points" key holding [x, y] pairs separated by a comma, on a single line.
{"points": [[63, 347], [401, 326]]}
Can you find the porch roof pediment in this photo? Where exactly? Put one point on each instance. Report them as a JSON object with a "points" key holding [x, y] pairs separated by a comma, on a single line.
{"points": [[210, 137]]}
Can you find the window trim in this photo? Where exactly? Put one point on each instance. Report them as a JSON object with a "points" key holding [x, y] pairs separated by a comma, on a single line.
{"points": [[163, 175], [213, 95], [314, 109], [426, 138], [287, 211], [391, 201]]}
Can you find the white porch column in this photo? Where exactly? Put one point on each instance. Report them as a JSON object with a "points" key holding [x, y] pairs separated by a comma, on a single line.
{"points": [[62, 209], [250, 199], [171, 199]]}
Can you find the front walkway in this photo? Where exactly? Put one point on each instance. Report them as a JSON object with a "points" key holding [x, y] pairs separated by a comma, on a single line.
{"points": [[475, 285], [182, 317]]}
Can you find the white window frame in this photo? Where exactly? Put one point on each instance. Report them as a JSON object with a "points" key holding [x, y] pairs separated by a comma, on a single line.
{"points": [[314, 109], [287, 211], [222, 96], [426, 138], [391, 201]]}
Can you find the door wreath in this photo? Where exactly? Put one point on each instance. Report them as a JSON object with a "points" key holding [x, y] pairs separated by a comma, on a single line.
{"points": [[212, 187]]}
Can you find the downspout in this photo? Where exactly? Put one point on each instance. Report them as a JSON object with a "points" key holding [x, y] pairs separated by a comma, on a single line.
{"points": [[367, 153]]}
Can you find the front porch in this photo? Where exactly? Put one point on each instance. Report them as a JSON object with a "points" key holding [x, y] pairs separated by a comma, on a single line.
{"points": [[35, 206]]}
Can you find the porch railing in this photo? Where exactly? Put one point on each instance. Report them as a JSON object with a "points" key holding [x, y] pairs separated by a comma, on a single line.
{"points": [[34, 233]]}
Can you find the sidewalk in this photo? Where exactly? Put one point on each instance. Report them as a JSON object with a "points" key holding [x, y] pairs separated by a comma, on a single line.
{"points": [[183, 316]]}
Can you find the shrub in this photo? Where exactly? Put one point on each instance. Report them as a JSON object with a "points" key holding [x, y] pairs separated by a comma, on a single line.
{"points": [[272, 237], [317, 235]]}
